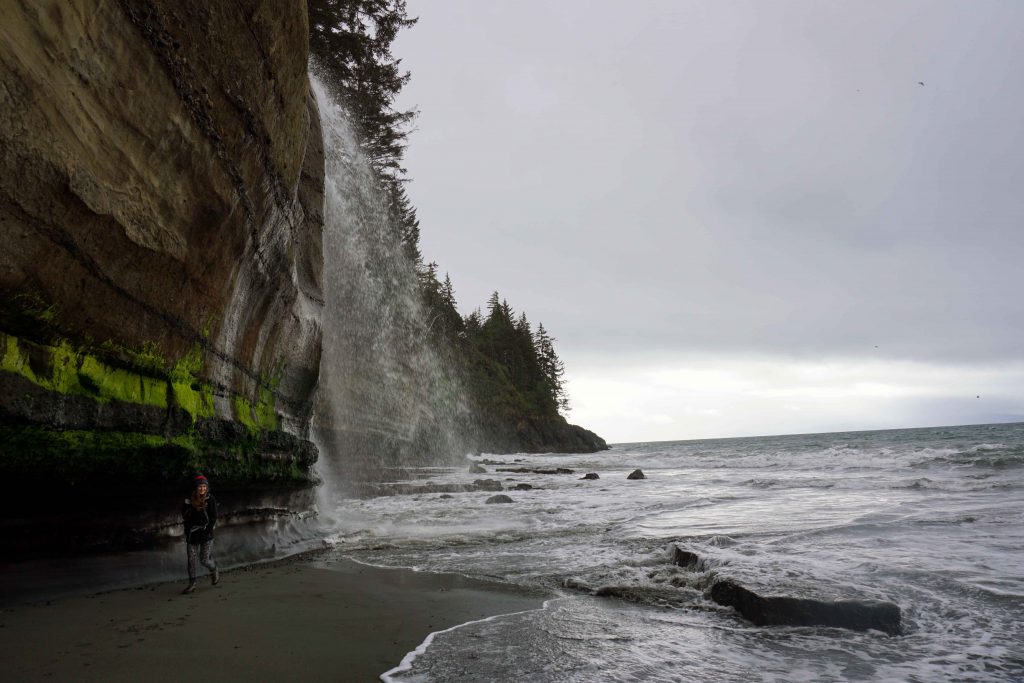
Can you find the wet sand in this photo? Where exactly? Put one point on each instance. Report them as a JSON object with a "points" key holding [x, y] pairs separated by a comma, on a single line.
{"points": [[311, 619]]}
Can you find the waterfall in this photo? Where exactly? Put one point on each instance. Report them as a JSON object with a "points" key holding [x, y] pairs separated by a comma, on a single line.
{"points": [[385, 397]]}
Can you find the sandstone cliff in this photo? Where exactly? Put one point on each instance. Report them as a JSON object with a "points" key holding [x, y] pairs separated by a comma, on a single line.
{"points": [[161, 194]]}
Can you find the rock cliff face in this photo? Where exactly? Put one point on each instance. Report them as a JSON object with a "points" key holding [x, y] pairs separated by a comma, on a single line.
{"points": [[161, 198], [540, 435]]}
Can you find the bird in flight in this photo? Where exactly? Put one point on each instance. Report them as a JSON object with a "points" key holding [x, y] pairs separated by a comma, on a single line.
{"points": [[921, 83]]}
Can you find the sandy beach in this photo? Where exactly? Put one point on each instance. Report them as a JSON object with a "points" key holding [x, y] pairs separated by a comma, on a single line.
{"points": [[307, 619]]}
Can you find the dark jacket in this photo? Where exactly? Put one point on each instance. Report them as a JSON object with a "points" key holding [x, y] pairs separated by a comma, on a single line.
{"points": [[199, 523]]}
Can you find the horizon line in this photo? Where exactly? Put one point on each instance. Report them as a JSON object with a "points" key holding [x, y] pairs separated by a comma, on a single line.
{"points": [[845, 431]]}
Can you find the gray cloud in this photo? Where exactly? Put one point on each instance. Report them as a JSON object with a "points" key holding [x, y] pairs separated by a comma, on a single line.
{"points": [[743, 177]]}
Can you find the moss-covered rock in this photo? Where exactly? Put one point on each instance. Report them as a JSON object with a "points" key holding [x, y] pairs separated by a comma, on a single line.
{"points": [[75, 418]]}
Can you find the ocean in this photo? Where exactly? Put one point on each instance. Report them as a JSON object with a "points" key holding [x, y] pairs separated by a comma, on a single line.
{"points": [[930, 519]]}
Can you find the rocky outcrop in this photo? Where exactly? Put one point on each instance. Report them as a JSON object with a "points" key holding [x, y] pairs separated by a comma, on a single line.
{"points": [[535, 470], [370, 489], [538, 435], [857, 615], [637, 474], [687, 559], [161, 196]]}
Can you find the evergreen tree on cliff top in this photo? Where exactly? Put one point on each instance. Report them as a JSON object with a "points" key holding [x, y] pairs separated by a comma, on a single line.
{"points": [[552, 367], [351, 40]]}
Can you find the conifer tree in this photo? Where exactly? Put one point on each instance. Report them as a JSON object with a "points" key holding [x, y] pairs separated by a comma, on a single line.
{"points": [[494, 306], [552, 367], [447, 291], [352, 40], [474, 323]]}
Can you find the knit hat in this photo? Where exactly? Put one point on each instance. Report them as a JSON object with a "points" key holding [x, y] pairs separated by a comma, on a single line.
{"points": [[199, 480]]}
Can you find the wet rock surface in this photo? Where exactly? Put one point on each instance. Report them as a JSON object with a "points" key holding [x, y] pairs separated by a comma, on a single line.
{"points": [[590, 475], [857, 615], [686, 559], [637, 474], [406, 489], [535, 470], [501, 498]]}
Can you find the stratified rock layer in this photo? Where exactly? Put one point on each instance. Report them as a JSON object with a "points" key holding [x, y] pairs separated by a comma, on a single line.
{"points": [[161, 196]]}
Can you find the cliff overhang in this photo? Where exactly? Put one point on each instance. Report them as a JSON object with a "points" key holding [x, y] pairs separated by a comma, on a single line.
{"points": [[161, 210]]}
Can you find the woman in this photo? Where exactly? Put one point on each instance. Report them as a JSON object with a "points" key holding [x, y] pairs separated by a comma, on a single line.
{"points": [[199, 513]]}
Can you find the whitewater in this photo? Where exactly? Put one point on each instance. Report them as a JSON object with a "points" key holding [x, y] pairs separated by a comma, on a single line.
{"points": [[931, 519]]}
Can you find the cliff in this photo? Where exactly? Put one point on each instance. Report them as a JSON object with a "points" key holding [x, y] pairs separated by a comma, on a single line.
{"points": [[161, 196], [539, 434]]}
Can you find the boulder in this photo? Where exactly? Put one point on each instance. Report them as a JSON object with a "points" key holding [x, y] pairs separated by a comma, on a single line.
{"points": [[637, 474], [522, 487], [500, 498], [536, 470], [686, 559], [590, 475], [857, 615]]}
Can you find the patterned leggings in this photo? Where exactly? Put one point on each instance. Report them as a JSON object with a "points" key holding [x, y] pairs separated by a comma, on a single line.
{"points": [[202, 550]]}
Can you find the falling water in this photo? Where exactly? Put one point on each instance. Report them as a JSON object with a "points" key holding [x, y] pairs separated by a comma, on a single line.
{"points": [[385, 398]]}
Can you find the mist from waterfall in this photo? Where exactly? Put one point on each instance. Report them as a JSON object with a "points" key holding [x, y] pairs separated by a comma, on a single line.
{"points": [[385, 398]]}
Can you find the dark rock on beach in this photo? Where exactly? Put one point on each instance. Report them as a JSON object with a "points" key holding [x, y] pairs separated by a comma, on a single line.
{"points": [[531, 470], [858, 615], [500, 498], [590, 475], [522, 487], [686, 559], [637, 474]]}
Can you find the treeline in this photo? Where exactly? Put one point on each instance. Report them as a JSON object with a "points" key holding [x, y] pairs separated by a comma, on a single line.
{"points": [[509, 369]]}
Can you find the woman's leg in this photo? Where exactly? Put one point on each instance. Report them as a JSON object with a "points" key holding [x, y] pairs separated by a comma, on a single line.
{"points": [[192, 550], [206, 558]]}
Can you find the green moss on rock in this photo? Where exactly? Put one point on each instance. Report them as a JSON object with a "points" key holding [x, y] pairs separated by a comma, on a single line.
{"points": [[262, 415], [67, 369], [85, 456], [74, 371], [122, 385], [161, 446]]}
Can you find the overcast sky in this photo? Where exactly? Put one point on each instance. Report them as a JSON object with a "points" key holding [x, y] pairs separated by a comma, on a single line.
{"points": [[737, 218]]}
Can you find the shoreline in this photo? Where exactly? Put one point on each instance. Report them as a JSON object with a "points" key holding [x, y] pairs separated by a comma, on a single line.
{"points": [[301, 617]]}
